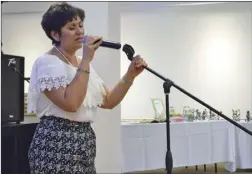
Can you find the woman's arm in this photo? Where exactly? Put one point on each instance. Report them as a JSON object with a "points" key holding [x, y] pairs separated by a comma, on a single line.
{"points": [[115, 96], [71, 97]]}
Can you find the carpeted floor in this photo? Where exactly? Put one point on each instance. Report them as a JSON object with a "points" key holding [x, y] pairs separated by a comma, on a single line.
{"points": [[192, 170]]}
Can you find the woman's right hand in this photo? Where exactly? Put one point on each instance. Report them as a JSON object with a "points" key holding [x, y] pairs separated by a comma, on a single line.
{"points": [[90, 45]]}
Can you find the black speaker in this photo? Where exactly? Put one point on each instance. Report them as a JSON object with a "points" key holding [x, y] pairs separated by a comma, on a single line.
{"points": [[12, 89], [15, 143]]}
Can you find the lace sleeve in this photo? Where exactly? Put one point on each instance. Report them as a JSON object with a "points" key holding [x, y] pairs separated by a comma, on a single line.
{"points": [[47, 83], [48, 72], [51, 74]]}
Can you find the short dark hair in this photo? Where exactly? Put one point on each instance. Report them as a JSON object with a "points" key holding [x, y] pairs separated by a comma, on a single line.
{"points": [[57, 16]]}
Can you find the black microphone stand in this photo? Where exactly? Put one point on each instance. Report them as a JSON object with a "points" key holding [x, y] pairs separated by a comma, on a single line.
{"points": [[21, 75], [129, 51]]}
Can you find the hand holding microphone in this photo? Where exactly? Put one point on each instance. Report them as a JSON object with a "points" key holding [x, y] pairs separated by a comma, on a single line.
{"points": [[93, 42], [90, 45]]}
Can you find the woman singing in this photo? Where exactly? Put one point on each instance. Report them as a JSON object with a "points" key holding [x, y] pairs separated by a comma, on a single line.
{"points": [[65, 92]]}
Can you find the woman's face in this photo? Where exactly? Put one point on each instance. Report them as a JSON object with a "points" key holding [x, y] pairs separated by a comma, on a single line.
{"points": [[71, 35]]}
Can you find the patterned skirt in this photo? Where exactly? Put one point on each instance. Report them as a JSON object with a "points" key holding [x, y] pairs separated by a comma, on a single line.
{"points": [[62, 146]]}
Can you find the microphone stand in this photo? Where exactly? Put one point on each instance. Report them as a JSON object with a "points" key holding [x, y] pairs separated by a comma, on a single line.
{"points": [[21, 75], [129, 51]]}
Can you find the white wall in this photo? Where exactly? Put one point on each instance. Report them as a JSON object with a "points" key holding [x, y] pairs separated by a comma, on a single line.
{"points": [[22, 35], [203, 49]]}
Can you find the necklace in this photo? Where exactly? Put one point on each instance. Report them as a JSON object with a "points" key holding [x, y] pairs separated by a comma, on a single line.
{"points": [[63, 56]]}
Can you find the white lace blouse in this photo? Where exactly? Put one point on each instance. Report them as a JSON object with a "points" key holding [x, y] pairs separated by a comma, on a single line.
{"points": [[49, 72]]}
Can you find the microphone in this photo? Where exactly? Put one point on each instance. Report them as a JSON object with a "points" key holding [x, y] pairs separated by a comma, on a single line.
{"points": [[110, 44], [107, 44], [12, 65]]}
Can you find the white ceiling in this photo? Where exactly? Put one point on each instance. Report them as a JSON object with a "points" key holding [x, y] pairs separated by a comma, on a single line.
{"points": [[31, 7], [25, 7], [167, 3]]}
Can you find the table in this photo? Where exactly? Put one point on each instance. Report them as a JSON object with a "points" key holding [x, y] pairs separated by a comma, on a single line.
{"points": [[192, 143], [242, 148]]}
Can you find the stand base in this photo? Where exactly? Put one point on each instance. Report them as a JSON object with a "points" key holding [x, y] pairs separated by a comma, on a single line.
{"points": [[168, 162]]}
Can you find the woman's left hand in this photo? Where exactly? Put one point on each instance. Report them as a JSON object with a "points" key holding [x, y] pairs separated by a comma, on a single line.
{"points": [[137, 66]]}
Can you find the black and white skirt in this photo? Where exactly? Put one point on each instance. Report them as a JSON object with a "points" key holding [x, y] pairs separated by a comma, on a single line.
{"points": [[62, 146]]}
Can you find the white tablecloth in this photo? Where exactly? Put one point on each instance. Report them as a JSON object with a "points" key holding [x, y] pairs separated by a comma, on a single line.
{"points": [[242, 148], [144, 145]]}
